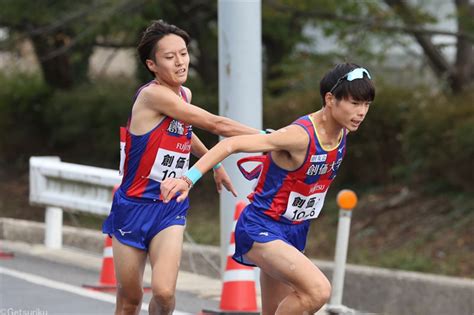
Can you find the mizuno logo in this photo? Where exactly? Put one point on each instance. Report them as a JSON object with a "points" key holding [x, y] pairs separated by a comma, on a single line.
{"points": [[124, 232], [263, 233]]}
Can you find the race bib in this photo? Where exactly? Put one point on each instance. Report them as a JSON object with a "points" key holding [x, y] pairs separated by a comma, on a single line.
{"points": [[306, 200], [172, 158], [169, 164]]}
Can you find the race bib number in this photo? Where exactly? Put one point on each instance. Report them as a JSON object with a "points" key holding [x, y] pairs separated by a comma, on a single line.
{"points": [[305, 201], [169, 164]]}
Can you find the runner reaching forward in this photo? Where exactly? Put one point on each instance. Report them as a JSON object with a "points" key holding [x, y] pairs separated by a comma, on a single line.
{"points": [[303, 160]]}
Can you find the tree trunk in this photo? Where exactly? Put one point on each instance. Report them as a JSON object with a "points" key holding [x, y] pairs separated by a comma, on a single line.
{"points": [[438, 62], [56, 70], [463, 68], [459, 75]]}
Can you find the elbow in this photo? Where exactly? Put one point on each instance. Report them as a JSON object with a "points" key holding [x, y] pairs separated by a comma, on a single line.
{"points": [[230, 145], [222, 126]]}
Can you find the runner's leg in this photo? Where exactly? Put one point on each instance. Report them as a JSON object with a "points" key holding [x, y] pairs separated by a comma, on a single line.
{"points": [[129, 265], [273, 292], [285, 263], [165, 255]]}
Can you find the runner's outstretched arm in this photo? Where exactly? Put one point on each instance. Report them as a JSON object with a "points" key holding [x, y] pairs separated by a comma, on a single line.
{"points": [[291, 138], [164, 101]]}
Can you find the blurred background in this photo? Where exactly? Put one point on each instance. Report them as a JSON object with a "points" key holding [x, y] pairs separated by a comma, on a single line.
{"points": [[69, 70]]}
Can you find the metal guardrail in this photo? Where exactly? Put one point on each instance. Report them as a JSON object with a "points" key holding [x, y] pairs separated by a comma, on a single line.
{"points": [[58, 185]]}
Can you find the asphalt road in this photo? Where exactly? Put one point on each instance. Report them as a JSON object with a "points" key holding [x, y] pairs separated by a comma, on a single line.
{"points": [[30, 285]]}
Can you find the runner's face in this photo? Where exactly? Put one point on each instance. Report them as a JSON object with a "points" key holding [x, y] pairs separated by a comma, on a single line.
{"points": [[350, 113], [172, 60]]}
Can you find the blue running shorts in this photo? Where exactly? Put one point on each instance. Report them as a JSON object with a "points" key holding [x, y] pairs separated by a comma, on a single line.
{"points": [[255, 226], [135, 222]]}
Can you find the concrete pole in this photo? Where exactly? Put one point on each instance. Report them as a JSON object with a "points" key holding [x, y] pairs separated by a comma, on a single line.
{"points": [[240, 90], [53, 234], [343, 228], [347, 200]]}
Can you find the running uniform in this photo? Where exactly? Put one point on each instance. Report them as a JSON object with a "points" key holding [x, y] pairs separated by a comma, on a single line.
{"points": [[137, 213], [283, 201]]}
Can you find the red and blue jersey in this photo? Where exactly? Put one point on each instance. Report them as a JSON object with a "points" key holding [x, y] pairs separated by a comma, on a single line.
{"points": [[148, 159], [294, 196]]}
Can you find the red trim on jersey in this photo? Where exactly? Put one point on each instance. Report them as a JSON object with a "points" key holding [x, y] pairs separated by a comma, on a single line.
{"points": [[261, 181], [146, 161]]}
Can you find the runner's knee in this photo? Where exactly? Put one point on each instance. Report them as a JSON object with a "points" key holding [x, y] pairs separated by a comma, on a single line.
{"points": [[130, 300], [325, 293], [131, 305], [164, 296], [318, 296]]}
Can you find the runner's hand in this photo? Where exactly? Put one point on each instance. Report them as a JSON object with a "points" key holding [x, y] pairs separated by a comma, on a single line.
{"points": [[171, 186], [222, 179]]}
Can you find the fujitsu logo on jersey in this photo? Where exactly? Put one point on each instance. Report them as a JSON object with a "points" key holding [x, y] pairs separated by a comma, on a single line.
{"points": [[184, 147], [176, 127], [318, 187]]}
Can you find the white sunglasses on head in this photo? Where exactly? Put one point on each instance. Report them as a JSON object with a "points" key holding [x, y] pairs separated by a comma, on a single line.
{"points": [[357, 73]]}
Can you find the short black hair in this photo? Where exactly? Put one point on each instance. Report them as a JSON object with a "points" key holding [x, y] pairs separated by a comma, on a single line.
{"points": [[156, 31], [362, 90]]}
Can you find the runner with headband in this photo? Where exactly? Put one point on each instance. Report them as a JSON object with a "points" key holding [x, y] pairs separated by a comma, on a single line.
{"points": [[303, 160]]}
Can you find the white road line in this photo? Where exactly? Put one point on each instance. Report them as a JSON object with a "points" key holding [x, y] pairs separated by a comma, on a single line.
{"points": [[68, 287]]}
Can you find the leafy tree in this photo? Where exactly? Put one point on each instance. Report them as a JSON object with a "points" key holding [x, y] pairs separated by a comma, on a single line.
{"points": [[63, 33], [357, 23], [460, 73]]}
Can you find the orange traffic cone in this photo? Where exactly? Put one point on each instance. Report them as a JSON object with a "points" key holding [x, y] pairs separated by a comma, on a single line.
{"points": [[107, 281], [6, 255], [238, 290]]}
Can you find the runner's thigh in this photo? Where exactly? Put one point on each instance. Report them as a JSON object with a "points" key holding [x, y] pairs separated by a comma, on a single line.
{"points": [[129, 264], [165, 255], [287, 264]]}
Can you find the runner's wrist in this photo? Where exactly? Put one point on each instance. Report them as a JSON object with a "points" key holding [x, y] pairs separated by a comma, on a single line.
{"points": [[266, 131], [187, 180], [193, 175]]}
